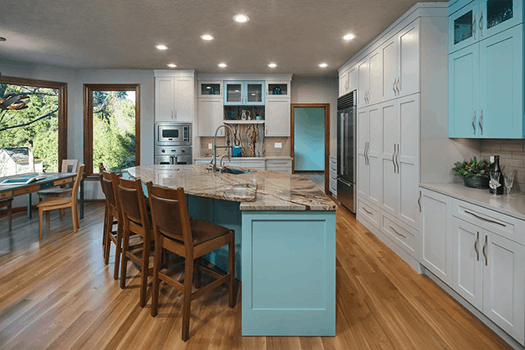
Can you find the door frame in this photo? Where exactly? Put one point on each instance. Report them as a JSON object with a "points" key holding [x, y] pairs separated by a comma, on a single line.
{"points": [[326, 107]]}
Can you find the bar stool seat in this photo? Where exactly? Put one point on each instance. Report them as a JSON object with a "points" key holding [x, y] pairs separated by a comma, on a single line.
{"points": [[203, 231]]}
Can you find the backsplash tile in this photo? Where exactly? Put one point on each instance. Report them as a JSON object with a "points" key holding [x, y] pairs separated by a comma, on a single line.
{"points": [[512, 158]]}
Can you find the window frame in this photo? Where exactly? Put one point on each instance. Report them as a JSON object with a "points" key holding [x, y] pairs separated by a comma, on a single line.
{"points": [[88, 119], [62, 107]]}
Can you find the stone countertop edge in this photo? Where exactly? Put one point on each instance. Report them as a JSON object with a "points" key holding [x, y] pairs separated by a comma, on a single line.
{"points": [[513, 206], [248, 158], [275, 192]]}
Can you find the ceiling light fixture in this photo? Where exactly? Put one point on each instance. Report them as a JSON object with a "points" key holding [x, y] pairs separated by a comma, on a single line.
{"points": [[323, 65], [2, 38], [222, 65], [172, 65], [272, 65], [349, 36], [207, 37], [161, 47], [240, 18]]}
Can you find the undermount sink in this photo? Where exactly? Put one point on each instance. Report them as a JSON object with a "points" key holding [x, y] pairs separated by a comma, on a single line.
{"points": [[235, 171], [242, 192]]}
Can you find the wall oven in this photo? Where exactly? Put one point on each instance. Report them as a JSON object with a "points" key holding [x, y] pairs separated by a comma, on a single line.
{"points": [[173, 143]]}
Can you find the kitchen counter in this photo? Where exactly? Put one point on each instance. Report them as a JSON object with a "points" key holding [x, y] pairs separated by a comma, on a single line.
{"points": [[513, 205], [275, 191], [208, 158]]}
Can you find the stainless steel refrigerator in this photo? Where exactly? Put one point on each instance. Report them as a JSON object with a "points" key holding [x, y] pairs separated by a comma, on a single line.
{"points": [[346, 148]]}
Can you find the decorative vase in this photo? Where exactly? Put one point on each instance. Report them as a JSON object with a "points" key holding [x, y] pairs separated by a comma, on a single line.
{"points": [[476, 181]]}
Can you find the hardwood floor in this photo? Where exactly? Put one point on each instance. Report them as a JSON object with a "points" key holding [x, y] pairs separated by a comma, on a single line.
{"points": [[58, 294]]}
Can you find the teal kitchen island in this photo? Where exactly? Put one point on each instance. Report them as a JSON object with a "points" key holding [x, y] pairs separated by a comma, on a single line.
{"points": [[285, 243]]}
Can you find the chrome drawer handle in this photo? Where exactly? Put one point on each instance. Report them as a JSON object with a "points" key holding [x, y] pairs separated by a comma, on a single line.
{"points": [[474, 122], [369, 213], [485, 252], [400, 234], [476, 246], [487, 220]]}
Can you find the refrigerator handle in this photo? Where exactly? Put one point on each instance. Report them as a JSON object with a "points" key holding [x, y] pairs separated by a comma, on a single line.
{"points": [[342, 144]]}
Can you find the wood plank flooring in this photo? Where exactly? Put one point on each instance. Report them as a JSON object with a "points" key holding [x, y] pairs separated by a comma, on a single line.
{"points": [[58, 294]]}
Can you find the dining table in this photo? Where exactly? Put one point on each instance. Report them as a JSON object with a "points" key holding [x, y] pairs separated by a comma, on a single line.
{"points": [[28, 183]]}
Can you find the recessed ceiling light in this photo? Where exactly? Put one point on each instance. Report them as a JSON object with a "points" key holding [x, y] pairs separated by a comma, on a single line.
{"points": [[222, 65], [161, 47], [171, 65], [349, 36], [241, 18], [207, 37], [2, 38], [272, 65], [323, 65]]}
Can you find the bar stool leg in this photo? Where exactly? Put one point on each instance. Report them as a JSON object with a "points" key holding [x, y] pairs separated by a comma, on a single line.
{"points": [[145, 271], [188, 276], [231, 268], [156, 282], [124, 262]]}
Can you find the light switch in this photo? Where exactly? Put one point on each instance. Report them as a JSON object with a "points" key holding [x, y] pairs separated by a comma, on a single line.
{"points": [[278, 145], [210, 146]]}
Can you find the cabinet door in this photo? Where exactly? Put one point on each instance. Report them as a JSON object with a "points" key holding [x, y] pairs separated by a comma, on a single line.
{"points": [[463, 69], [501, 85], [210, 89], [277, 90], [374, 155], [499, 15], [233, 93], [503, 284], [375, 83], [390, 68], [362, 91], [353, 79], [343, 83], [164, 99], [407, 159], [210, 117], [463, 27], [277, 118], [468, 261], [408, 42], [363, 170], [389, 170], [436, 234], [184, 99], [254, 93]]}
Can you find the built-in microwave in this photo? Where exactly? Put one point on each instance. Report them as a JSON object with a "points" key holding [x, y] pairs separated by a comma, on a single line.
{"points": [[172, 134]]}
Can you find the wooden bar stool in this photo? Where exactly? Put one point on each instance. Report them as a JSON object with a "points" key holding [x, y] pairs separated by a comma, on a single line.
{"points": [[174, 231], [109, 184], [132, 206], [7, 202], [61, 203]]}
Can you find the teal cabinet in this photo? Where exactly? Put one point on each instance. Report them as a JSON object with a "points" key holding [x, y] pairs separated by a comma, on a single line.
{"points": [[463, 27], [244, 93]]}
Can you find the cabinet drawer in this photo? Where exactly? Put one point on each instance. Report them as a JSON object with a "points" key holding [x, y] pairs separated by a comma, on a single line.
{"points": [[6, 194], [30, 189], [280, 169], [62, 181], [502, 224], [279, 162], [404, 236], [333, 185], [369, 212], [333, 164]]}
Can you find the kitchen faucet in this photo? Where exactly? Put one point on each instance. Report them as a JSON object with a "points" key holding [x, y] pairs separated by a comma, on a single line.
{"points": [[230, 148]]}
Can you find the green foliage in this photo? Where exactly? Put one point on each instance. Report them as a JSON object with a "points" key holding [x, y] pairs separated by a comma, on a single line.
{"points": [[473, 168]]}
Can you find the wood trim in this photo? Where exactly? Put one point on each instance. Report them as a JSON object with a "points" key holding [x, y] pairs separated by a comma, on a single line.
{"points": [[88, 119], [62, 107], [326, 107]]}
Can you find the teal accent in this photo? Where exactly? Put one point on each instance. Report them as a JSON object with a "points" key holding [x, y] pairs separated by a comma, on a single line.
{"points": [[245, 89], [456, 28], [309, 142], [289, 273]]}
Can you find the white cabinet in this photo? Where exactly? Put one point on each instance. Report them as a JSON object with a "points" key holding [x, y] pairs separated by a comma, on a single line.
{"points": [[279, 165], [369, 76], [277, 117], [368, 154], [436, 234], [174, 95], [343, 83], [333, 176], [210, 113], [348, 81]]}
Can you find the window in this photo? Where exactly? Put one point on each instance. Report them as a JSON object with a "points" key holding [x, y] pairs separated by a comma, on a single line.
{"points": [[33, 138], [111, 126]]}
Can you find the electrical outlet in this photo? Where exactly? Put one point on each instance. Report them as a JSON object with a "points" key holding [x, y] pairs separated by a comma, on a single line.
{"points": [[278, 145], [492, 159], [210, 146]]}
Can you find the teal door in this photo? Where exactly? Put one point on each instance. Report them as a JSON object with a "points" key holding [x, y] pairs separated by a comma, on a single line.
{"points": [[309, 139], [254, 93], [501, 84], [463, 68], [463, 28], [499, 15]]}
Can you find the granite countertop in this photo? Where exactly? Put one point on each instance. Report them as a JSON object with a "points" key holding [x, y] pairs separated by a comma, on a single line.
{"points": [[250, 158], [513, 205], [275, 191]]}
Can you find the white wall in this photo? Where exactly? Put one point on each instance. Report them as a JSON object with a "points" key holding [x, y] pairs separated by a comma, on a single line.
{"points": [[319, 90]]}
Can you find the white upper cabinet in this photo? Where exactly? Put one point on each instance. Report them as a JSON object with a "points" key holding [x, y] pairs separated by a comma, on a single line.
{"points": [[344, 87], [389, 52], [348, 80], [211, 112], [277, 118], [363, 73], [174, 95], [353, 79], [369, 76]]}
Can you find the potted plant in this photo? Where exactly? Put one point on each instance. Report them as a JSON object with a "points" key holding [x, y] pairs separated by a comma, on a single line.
{"points": [[475, 174]]}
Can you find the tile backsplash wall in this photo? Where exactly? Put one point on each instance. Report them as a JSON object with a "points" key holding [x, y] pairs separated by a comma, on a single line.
{"points": [[269, 145], [512, 158]]}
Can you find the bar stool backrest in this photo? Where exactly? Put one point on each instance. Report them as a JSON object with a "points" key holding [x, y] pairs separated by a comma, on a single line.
{"points": [[133, 202]]}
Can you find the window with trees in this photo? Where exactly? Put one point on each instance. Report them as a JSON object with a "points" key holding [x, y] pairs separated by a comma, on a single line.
{"points": [[33, 121], [111, 126]]}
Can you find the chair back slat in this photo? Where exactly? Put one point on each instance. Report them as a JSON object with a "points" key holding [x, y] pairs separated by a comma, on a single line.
{"points": [[132, 202], [107, 188], [78, 178]]}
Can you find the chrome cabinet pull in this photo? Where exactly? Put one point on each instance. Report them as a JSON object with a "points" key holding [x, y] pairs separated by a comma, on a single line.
{"points": [[484, 219], [369, 212], [397, 85], [485, 252], [480, 122], [419, 201], [481, 24], [400, 234], [476, 246], [394, 86], [368, 153], [474, 122], [397, 158], [474, 27], [393, 157]]}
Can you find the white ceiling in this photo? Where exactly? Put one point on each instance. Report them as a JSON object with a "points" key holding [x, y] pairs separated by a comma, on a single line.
{"points": [[295, 34]]}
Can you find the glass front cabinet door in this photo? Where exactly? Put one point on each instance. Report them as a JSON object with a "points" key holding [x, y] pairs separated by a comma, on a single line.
{"points": [[463, 27], [233, 92], [499, 15], [244, 93]]}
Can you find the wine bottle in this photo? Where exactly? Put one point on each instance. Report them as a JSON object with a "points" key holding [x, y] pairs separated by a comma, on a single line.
{"points": [[497, 170]]}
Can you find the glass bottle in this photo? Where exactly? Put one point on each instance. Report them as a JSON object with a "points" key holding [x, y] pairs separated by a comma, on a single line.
{"points": [[497, 169]]}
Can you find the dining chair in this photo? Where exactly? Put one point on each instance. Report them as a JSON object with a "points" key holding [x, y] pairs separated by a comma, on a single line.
{"points": [[174, 231], [7, 202], [109, 183], [61, 203], [68, 166], [131, 203]]}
